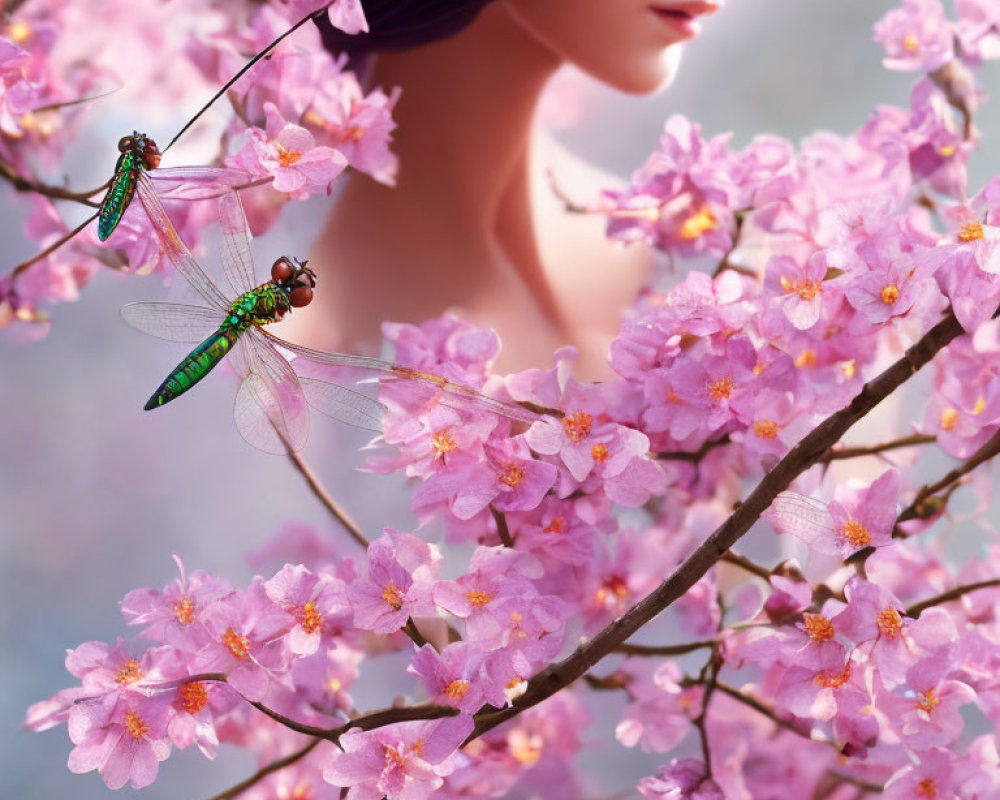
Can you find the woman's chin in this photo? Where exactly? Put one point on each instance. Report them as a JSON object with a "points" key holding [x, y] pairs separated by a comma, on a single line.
{"points": [[643, 76]]}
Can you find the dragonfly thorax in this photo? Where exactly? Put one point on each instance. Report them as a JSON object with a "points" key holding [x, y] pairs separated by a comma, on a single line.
{"points": [[143, 149]]}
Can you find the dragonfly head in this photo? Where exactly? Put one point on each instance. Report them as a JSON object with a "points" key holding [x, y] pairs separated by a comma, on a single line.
{"points": [[296, 279], [143, 146]]}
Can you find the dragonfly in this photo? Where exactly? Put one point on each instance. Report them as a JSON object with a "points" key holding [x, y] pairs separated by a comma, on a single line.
{"points": [[139, 153], [272, 402]]}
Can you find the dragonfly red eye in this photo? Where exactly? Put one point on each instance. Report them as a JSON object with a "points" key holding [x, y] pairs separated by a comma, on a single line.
{"points": [[282, 271], [151, 154], [125, 143], [300, 296]]}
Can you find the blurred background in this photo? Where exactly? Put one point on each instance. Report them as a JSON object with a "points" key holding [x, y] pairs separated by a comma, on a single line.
{"points": [[96, 495]]}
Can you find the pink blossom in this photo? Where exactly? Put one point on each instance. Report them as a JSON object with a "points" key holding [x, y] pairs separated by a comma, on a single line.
{"points": [[406, 761], [317, 602], [123, 740], [173, 615], [916, 36], [401, 569], [681, 778], [933, 775], [454, 676], [246, 631], [288, 153], [924, 709]]}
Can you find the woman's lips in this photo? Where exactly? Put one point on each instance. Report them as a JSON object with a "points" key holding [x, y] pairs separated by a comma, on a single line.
{"points": [[682, 16]]}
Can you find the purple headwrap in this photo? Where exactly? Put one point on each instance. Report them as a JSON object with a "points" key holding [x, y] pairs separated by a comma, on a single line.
{"points": [[400, 24]]}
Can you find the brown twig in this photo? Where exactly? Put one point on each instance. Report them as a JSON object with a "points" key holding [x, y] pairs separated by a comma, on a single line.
{"points": [[663, 650], [20, 268], [502, 528], [324, 497], [22, 184], [985, 453], [410, 629], [854, 452], [796, 461], [263, 772], [951, 594], [746, 564], [693, 456], [761, 708]]}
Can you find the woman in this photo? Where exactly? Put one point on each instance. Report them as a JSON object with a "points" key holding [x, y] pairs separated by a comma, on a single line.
{"points": [[472, 225]]}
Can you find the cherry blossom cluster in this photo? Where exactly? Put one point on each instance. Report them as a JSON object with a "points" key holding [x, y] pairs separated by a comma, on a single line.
{"points": [[296, 120], [864, 661]]}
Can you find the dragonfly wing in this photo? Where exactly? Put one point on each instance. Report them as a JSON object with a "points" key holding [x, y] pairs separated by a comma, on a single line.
{"points": [[199, 183], [271, 411], [450, 393], [805, 518], [343, 404], [174, 249], [174, 322], [237, 257]]}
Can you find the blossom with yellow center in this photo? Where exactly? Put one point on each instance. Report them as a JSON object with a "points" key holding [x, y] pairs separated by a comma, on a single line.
{"points": [[971, 231], [806, 359], [478, 599], [456, 690], [855, 534], [312, 618], [701, 222], [136, 726], [393, 597], [193, 697], [766, 428], [807, 290], [928, 701], [721, 388], [599, 452], [557, 525], [238, 645], [819, 628], [184, 610], [911, 43], [130, 672], [512, 475], [889, 294], [889, 622], [949, 418], [833, 680], [577, 426], [443, 442], [287, 157]]}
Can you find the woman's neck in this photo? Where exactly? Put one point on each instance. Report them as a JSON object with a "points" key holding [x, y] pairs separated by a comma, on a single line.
{"points": [[459, 229]]}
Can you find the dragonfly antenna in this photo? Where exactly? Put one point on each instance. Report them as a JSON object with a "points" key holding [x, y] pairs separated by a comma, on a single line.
{"points": [[242, 72]]}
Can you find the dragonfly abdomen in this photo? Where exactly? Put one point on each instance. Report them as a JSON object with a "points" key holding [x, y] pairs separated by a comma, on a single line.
{"points": [[119, 195], [198, 363]]}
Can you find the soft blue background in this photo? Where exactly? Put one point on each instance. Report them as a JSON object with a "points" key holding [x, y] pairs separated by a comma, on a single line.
{"points": [[95, 495]]}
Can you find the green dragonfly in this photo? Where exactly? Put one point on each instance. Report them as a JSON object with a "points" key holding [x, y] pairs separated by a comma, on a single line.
{"points": [[272, 402], [139, 153]]}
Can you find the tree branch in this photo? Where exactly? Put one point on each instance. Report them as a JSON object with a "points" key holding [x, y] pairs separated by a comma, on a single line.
{"points": [[693, 456], [502, 529], [263, 772], [806, 453], [22, 184], [664, 650], [854, 452], [917, 508], [951, 594], [327, 500]]}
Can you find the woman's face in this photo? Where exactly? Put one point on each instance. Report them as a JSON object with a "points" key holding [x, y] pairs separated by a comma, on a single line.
{"points": [[632, 45]]}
